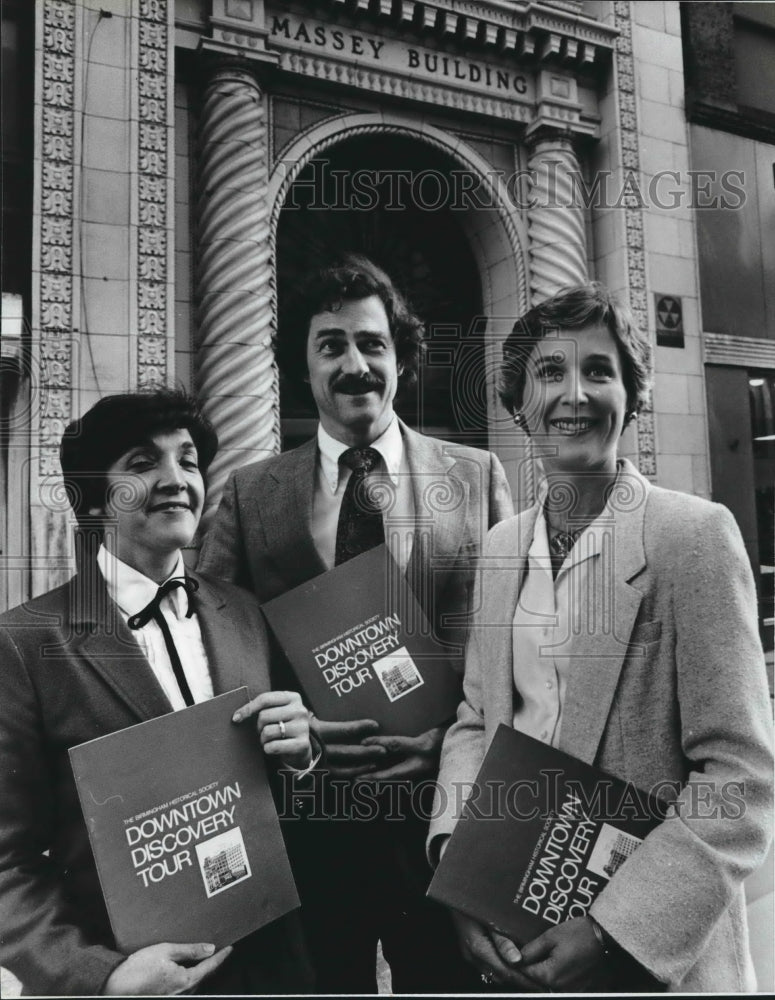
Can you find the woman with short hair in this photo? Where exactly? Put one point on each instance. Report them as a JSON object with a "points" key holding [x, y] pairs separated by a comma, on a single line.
{"points": [[617, 621], [90, 658]]}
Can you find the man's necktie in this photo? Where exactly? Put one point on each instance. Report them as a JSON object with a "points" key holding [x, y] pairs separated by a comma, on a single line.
{"points": [[152, 610], [360, 519]]}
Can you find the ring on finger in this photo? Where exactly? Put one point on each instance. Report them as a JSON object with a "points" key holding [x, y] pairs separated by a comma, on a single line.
{"points": [[281, 724], [488, 978]]}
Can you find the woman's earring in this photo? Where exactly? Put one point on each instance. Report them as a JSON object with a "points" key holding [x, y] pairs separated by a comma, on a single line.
{"points": [[519, 418]]}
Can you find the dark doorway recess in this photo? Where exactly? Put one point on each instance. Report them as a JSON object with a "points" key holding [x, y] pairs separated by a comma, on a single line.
{"points": [[393, 199]]}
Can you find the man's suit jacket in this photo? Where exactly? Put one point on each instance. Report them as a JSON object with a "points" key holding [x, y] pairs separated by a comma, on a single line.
{"points": [[71, 671], [261, 537], [671, 688]]}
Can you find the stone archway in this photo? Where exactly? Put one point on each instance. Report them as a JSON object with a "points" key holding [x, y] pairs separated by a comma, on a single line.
{"points": [[389, 197], [239, 205], [496, 235]]}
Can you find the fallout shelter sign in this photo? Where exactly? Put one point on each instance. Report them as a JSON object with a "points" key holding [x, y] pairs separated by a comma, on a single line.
{"points": [[670, 323]]}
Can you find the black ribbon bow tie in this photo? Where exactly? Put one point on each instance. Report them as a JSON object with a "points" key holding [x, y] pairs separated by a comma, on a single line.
{"points": [[153, 607]]}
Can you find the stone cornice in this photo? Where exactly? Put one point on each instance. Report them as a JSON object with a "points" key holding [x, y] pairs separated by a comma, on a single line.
{"points": [[518, 61], [744, 352], [538, 30], [319, 42], [750, 125]]}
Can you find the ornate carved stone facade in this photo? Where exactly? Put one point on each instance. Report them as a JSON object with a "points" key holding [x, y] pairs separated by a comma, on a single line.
{"points": [[53, 315], [635, 249], [236, 372], [558, 252], [154, 313]]}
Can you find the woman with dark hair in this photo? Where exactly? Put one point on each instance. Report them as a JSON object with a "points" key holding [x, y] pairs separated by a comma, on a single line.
{"points": [[616, 621], [132, 636]]}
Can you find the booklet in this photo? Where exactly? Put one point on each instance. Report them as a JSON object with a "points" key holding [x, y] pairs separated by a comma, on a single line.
{"points": [[183, 827], [539, 837], [362, 648]]}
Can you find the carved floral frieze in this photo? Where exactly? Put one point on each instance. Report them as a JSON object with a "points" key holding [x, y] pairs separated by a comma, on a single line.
{"points": [[153, 142], [55, 303], [636, 263]]}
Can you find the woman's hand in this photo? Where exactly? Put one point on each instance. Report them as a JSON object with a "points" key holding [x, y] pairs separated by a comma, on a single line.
{"points": [[283, 725], [164, 970], [495, 956], [568, 958]]}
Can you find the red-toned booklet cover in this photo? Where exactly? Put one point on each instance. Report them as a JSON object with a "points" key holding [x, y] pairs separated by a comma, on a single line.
{"points": [[539, 838], [183, 827], [362, 648]]}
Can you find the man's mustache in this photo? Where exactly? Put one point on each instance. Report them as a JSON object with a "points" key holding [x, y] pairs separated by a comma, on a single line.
{"points": [[355, 385]]}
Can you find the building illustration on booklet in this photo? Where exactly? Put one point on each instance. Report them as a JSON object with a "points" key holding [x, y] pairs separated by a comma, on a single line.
{"points": [[613, 847], [223, 861], [397, 673]]}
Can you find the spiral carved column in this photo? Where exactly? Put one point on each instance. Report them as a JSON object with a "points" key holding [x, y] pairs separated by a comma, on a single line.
{"points": [[558, 252], [236, 374]]}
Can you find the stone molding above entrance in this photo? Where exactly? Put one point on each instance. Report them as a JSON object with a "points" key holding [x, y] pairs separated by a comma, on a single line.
{"points": [[524, 63]]}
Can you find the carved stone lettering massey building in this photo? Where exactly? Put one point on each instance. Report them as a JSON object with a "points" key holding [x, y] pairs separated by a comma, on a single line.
{"points": [[394, 56]]}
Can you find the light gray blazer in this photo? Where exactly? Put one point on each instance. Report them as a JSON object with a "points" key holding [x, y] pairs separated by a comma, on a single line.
{"points": [[261, 536], [671, 688]]}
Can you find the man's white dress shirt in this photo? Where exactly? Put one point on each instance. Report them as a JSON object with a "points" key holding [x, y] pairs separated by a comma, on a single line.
{"points": [[392, 473]]}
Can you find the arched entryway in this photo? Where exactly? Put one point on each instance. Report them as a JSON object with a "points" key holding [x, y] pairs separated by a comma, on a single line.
{"points": [[433, 213], [362, 195]]}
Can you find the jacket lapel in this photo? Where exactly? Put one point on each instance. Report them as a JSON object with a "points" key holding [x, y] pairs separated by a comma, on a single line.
{"points": [[226, 654], [440, 506], [107, 646], [287, 518], [503, 575], [613, 604]]}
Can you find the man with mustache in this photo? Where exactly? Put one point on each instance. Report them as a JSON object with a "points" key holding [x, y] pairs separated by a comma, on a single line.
{"points": [[353, 341]]}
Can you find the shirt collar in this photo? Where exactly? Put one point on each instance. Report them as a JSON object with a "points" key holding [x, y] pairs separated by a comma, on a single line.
{"points": [[390, 445], [538, 553], [132, 590]]}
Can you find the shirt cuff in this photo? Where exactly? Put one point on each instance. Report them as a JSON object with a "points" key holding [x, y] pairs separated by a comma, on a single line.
{"points": [[317, 754]]}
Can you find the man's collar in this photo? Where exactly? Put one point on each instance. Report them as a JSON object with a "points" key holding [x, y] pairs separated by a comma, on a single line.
{"points": [[132, 590], [389, 444]]}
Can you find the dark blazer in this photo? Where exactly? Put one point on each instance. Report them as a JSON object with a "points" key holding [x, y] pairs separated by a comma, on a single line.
{"points": [[666, 689], [261, 537], [71, 671]]}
